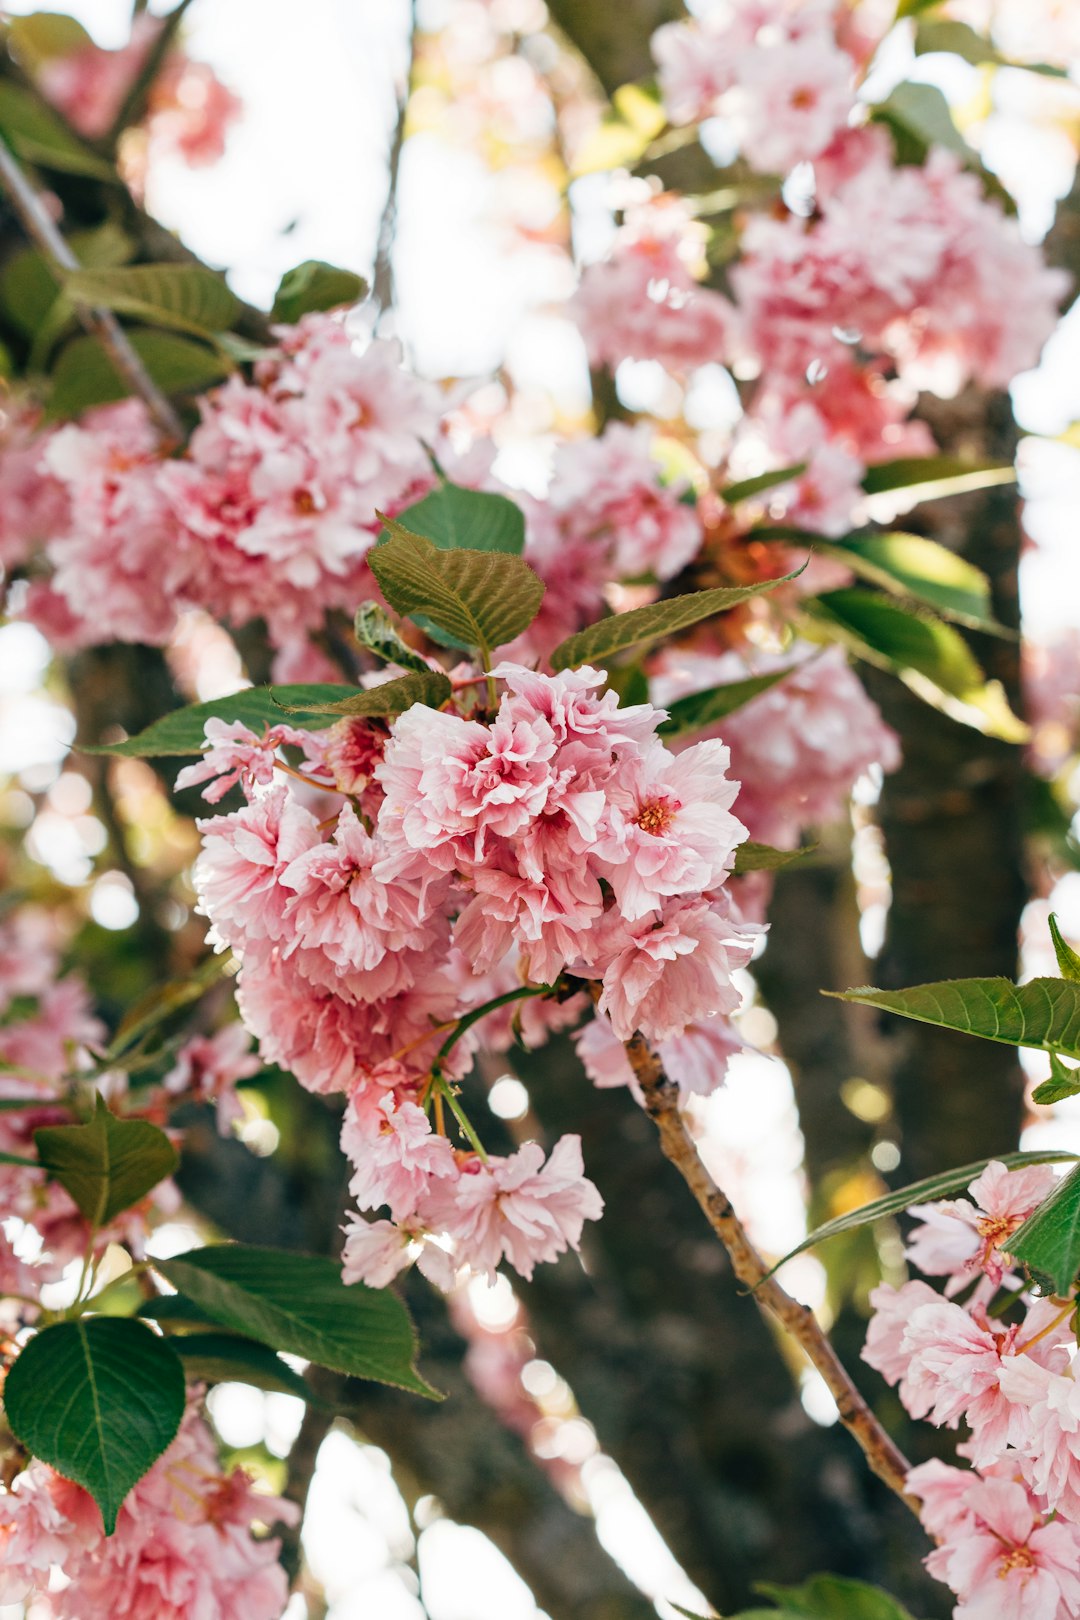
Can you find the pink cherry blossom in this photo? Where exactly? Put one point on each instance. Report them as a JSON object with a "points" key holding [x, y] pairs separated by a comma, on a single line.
{"points": [[956, 1237], [244, 855], [235, 755], [1050, 1400], [375, 1252], [884, 1349], [669, 828], [1005, 1562], [672, 968], [395, 1153], [518, 1207], [790, 100]]}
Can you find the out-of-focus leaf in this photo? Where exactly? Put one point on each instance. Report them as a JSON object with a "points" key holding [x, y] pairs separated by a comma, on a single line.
{"points": [[29, 291], [108, 1164], [41, 35], [960, 39], [39, 135], [829, 1597], [701, 709], [620, 140], [763, 481], [928, 477], [84, 375], [313, 286], [186, 296], [751, 857], [929, 656], [913, 566], [226, 1358]]}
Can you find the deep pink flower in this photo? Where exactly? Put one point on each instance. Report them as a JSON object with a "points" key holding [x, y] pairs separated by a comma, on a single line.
{"points": [[244, 856]]}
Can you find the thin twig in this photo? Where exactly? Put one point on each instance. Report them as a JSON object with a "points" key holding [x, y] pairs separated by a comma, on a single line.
{"points": [[661, 1097], [138, 94], [382, 279], [101, 323]]}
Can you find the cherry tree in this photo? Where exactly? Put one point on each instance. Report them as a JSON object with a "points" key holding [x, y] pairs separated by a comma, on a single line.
{"points": [[423, 784]]}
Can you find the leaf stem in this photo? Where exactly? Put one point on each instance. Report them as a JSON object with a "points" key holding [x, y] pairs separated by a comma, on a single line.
{"points": [[447, 1091], [661, 1099], [523, 993]]}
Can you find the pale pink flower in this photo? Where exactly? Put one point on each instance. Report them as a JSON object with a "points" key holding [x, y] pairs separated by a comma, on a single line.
{"points": [[234, 755], [606, 492], [958, 1238], [395, 1153], [798, 748], [34, 1534], [943, 1492], [375, 1252], [1050, 1399], [892, 1308], [33, 505], [674, 968], [790, 100], [1005, 1563], [190, 111], [669, 828], [244, 855], [517, 1207], [696, 1060], [29, 954]]}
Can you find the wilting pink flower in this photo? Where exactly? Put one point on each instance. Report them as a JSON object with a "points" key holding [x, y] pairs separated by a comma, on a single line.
{"points": [[957, 1238], [235, 754]]}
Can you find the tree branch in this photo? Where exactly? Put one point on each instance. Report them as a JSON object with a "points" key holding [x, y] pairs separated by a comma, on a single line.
{"points": [[382, 277], [661, 1097], [100, 323], [135, 101]]}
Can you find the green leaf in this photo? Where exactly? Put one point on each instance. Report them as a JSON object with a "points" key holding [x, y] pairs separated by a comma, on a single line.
{"points": [[45, 34], [766, 480], [911, 565], [644, 625], [314, 286], [299, 1304], [108, 1164], [930, 657], [375, 632], [428, 686], [1048, 1243], [928, 477], [1044, 1013], [99, 1400], [1063, 1082], [944, 1185], [473, 599], [224, 1358], [19, 1158], [919, 117], [701, 709], [175, 1310], [452, 516], [29, 291], [40, 136], [187, 296], [832, 1597], [1067, 960], [751, 857], [959, 39], [84, 376], [182, 731]]}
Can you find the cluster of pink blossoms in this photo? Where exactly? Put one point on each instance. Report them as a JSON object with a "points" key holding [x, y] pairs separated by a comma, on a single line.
{"points": [[471, 856], [183, 1545], [1009, 1527], [268, 514]]}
